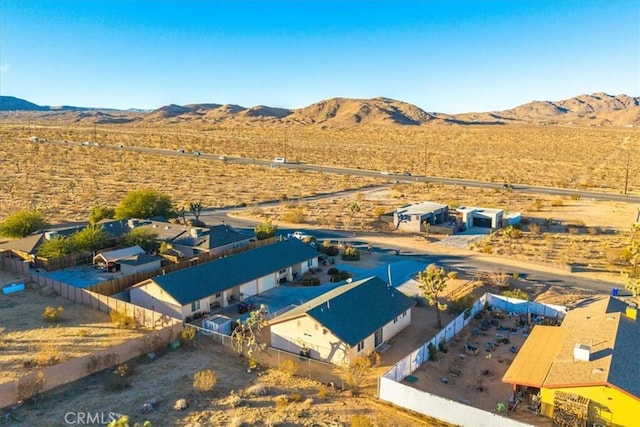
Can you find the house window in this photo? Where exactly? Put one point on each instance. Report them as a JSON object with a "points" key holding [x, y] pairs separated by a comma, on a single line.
{"points": [[218, 294], [310, 263], [195, 306], [284, 270], [404, 314], [360, 346], [395, 319]]}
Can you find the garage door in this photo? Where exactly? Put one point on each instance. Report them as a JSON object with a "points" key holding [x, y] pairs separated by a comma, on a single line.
{"points": [[482, 222], [249, 289], [266, 283]]}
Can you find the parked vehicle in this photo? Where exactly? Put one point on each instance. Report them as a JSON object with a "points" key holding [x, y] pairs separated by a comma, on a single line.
{"points": [[180, 151], [280, 160]]}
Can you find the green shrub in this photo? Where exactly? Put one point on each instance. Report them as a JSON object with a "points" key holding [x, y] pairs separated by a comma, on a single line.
{"points": [[332, 271], [351, 254], [340, 276], [432, 351], [516, 293]]}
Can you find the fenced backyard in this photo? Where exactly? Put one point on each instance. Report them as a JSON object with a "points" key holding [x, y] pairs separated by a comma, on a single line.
{"points": [[392, 390]]}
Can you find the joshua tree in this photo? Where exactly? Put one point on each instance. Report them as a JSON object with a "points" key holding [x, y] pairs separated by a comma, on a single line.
{"points": [[434, 280], [195, 209]]}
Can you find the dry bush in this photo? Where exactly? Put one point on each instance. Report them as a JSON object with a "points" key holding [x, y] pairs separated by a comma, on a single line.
{"points": [[361, 420], [188, 336], [205, 380], [44, 354], [295, 397], [122, 320], [557, 203], [52, 314], [281, 402], [323, 392], [258, 389], [289, 367], [30, 387], [234, 400]]}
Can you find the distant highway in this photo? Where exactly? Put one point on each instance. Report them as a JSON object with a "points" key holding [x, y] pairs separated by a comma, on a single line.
{"points": [[393, 177]]}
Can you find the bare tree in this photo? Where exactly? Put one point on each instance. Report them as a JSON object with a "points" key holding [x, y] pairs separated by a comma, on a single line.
{"points": [[195, 208]]}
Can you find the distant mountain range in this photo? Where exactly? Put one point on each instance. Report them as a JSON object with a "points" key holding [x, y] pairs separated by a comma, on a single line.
{"points": [[598, 109]]}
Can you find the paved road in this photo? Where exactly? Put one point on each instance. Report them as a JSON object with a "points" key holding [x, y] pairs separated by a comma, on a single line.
{"points": [[392, 177]]}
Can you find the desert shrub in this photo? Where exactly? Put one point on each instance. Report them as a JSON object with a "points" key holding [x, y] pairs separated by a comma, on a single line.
{"points": [[281, 402], [52, 314], [332, 271], [265, 230], [120, 378], [258, 389], [204, 380], [357, 372], [44, 354], [234, 400], [30, 387], [537, 205], [361, 420], [289, 366], [535, 228], [295, 216], [487, 248], [452, 275], [557, 203], [188, 336], [323, 392], [461, 304], [328, 249], [516, 293], [122, 320], [295, 397], [351, 254]]}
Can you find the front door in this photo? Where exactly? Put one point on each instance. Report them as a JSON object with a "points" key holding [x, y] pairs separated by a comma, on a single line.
{"points": [[377, 337]]}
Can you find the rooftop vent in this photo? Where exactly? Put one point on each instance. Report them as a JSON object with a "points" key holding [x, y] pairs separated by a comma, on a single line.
{"points": [[581, 352]]}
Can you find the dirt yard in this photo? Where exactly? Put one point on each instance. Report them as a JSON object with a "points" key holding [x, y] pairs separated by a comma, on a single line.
{"points": [[240, 398], [28, 342]]}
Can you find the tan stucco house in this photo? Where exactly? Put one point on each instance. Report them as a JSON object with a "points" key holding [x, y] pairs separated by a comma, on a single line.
{"points": [[224, 281], [344, 323]]}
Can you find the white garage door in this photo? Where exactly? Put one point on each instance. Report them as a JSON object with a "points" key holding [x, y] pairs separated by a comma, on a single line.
{"points": [[266, 283], [249, 289]]}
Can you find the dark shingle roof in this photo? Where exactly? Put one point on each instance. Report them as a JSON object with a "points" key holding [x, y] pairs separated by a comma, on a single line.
{"points": [[200, 281], [27, 244], [139, 259], [354, 311], [214, 237], [624, 371]]}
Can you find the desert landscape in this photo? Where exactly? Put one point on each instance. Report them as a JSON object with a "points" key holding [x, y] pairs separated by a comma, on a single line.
{"points": [[64, 180]]}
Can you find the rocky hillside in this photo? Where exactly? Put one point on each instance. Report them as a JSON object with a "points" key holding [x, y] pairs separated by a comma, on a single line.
{"points": [[598, 109]]}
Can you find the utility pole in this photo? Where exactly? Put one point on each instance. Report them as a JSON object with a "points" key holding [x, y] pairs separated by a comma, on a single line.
{"points": [[426, 153], [626, 178]]}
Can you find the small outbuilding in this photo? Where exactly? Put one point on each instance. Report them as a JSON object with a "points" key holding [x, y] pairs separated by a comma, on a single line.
{"points": [[108, 260]]}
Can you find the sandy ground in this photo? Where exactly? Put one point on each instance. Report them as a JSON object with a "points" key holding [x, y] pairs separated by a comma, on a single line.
{"points": [[27, 341]]}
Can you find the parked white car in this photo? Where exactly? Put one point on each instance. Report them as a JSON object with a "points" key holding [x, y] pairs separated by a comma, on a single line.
{"points": [[279, 160], [300, 235]]}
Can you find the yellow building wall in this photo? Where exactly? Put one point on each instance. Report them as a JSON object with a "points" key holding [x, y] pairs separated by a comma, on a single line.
{"points": [[608, 406]]}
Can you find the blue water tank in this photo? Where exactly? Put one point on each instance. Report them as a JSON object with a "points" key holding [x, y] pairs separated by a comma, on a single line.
{"points": [[614, 292], [16, 287]]}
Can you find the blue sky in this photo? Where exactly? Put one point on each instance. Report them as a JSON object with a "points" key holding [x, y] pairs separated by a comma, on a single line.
{"points": [[443, 56]]}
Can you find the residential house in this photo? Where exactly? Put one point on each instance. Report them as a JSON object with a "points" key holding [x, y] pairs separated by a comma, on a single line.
{"points": [[342, 324], [479, 217], [221, 282], [586, 371], [213, 240], [416, 216]]}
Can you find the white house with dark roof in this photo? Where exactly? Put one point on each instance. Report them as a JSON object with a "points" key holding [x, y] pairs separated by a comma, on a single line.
{"points": [[342, 324], [226, 280]]}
